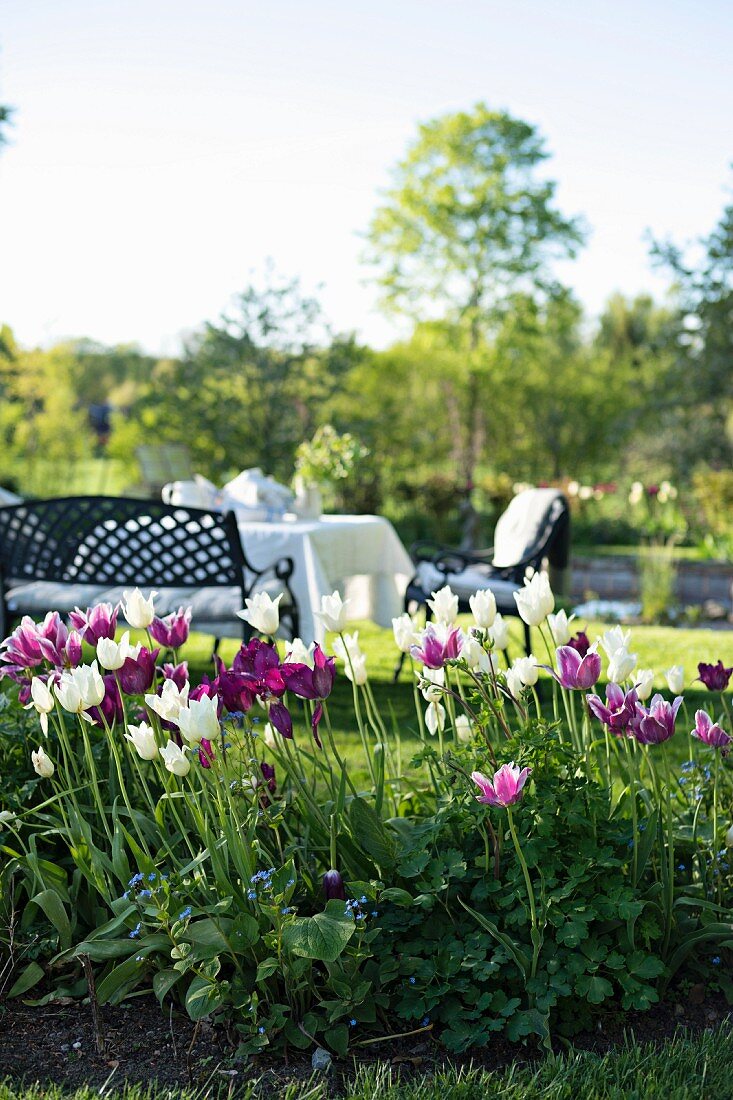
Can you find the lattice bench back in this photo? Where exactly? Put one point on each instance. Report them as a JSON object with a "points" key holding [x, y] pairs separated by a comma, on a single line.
{"points": [[117, 540]]}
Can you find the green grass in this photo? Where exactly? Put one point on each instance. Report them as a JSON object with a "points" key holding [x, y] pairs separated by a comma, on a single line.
{"points": [[680, 1069]]}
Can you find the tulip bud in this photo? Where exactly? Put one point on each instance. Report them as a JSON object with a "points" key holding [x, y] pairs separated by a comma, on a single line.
{"points": [[42, 764], [333, 886]]}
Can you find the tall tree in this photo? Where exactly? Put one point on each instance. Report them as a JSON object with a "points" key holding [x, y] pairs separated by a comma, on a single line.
{"points": [[698, 403], [468, 223], [249, 386]]}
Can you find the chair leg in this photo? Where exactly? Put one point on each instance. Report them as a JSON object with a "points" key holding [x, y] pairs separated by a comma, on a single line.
{"points": [[398, 668], [527, 640], [215, 650]]}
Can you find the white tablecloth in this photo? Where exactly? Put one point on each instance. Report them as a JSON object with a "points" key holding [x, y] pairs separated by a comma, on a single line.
{"points": [[359, 556]]}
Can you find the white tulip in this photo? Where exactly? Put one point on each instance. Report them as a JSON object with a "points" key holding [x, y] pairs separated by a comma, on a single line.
{"points": [[499, 632], [299, 653], [175, 759], [199, 719], [621, 664], [142, 738], [269, 736], [675, 679], [356, 669], [170, 701], [644, 682], [444, 605], [729, 837], [7, 817], [80, 688], [431, 683], [262, 613], [42, 700], [42, 764], [464, 728], [112, 655], [514, 682], [347, 648], [615, 639], [435, 718], [405, 632], [535, 601], [138, 611], [347, 645], [333, 612], [476, 657], [560, 627], [527, 670], [483, 608]]}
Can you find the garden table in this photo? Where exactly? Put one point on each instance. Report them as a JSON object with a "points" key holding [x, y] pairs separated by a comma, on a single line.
{"points": [[360, 556]]}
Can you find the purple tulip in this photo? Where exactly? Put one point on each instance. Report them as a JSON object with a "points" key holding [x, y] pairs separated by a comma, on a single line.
{"points": [[72, 649], [110, 709], [96, 622], [438, 646], [576, 672], [280, 718], [177, 673], [709, 732], [333, 886], [53, 635], [236, 691], [172, 631], [307, 682], [206, 753], [268, 774], [715, 677], [580, 642], [138, 673], [505, 788], [259, 663], [655, 724], [619, 710]]}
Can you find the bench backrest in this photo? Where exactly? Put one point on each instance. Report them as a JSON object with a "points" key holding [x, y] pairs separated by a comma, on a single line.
{"points": [[119, 540]]}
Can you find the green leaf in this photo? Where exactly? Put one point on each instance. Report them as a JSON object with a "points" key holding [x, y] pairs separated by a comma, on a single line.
{"points": [[204, 997], [163, 982], [51, 904], [31, 976], [594, 988], [322, 937], [338, 1038], [396, 896], [368, 831]]}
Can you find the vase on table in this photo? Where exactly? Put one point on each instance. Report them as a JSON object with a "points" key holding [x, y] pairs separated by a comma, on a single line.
{"points": [[308, 503]]}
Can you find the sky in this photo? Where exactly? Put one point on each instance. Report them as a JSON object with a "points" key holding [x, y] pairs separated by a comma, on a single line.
{"points": [[163, 152]]}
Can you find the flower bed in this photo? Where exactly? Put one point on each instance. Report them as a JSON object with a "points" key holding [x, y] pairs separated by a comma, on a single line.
{"points": [[515, 876]]}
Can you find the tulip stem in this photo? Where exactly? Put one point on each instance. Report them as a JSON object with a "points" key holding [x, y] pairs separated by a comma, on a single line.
{"points": [[536, 942]]}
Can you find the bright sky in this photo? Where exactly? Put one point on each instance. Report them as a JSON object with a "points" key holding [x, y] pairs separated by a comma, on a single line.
{"points": [[164, 149]]}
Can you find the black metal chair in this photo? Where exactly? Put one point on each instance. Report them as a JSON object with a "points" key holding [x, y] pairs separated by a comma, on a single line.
{"points": [[534, 528], [62, 553]]}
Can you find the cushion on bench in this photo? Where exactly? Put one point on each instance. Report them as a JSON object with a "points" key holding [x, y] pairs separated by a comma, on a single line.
{"points": [[209, 606], [468, 581]]}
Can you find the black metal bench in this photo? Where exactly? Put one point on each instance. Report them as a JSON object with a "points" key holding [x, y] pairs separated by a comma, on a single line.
{"points": [[62, 553]]}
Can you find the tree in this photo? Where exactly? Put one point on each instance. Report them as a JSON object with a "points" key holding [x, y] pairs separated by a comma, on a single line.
{"points": [[467, 225], [248, 387], [698, 402]]}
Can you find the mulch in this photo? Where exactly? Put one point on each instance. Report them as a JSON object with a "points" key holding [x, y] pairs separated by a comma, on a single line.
{"points": [[57, 1044]]}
